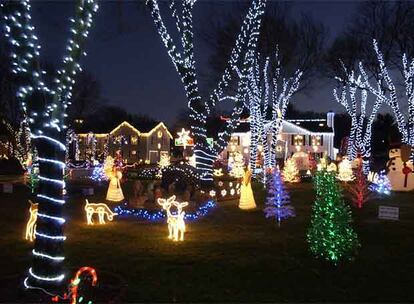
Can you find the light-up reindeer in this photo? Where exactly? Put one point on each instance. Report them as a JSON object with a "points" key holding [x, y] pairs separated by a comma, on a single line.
{"points": [[101, 210], [176, 224], [31, 223]]}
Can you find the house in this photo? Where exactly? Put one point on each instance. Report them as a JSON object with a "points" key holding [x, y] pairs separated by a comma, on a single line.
{"points": [[136, 146], [314, 136]]}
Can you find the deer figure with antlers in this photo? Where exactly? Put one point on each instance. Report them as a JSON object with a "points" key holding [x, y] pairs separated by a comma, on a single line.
{"points": [[176, 223]]}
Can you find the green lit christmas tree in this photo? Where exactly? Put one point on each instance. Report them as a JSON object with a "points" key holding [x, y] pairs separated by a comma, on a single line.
{"points": [[331, 235]]}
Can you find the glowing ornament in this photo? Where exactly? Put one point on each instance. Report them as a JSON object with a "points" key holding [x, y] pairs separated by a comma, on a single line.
{"points": [[176, 223], [218, 172], [100, 209], [290, 172], [345, 173], [212, 193], [31, 223], [223, 192], [246, 193]]}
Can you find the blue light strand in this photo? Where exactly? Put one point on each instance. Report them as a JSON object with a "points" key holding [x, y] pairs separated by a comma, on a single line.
{"points": [[155, 216]]}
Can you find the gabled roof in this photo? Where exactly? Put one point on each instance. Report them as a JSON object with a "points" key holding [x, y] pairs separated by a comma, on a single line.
{"points": [[126, 124], [161, 124]]}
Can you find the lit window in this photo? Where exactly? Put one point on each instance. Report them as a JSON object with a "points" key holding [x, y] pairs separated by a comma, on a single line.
{"points": [[298, 140], [134, 152], [159, 134], [134, 140]]}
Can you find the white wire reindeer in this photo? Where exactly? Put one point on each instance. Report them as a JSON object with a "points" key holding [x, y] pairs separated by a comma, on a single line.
{"points": [[176, 223]]}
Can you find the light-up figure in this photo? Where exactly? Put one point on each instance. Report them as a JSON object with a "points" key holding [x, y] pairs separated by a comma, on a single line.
{"points": [[246, 194], [100, 209], [113, 171], [176, 223], [31, 223]]}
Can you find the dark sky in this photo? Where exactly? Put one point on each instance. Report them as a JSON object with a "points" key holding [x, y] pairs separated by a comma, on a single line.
{"points": [[133, 67]]}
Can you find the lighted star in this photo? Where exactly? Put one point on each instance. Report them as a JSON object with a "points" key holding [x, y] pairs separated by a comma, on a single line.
{"points": [[184, 136]]}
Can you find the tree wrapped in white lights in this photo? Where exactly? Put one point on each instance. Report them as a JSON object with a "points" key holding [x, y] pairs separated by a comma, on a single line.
{"points": [[269, 95], [45, 108], [290, 171], [385, 90], [239, 63], [353, 97]]}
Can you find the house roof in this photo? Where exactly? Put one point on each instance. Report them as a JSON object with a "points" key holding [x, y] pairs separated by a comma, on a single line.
{"points": [[143, 129], [293, 126]]}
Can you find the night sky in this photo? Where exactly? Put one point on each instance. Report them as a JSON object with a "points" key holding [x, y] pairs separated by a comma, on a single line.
{"points": [[132, 66]]}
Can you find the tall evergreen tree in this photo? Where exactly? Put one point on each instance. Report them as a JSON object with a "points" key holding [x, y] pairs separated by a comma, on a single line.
{"points": [[331, 235]]}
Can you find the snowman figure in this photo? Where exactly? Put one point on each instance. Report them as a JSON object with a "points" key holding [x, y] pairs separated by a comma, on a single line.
{"points": [[400, 169]]}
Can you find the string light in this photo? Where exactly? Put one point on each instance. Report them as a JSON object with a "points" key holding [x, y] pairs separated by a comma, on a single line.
{"points": [[143, 214], [45, 114], [184, 62], [264, 91]]}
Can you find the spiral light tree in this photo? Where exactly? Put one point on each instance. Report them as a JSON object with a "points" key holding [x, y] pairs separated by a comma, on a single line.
{"points": [[231, 87], [45, 108], [269, 95]]}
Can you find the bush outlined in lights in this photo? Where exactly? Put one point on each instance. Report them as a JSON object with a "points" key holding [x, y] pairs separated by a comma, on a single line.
{"points": [[100, 209], [31, 223], [176, 223]]}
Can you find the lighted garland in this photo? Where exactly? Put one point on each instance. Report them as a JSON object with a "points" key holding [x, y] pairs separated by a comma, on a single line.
{"points": [[184, 61], [45, 110], [153, 216]]}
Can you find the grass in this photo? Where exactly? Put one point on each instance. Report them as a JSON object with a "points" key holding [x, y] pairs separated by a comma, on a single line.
{"points": [[231, 255]]}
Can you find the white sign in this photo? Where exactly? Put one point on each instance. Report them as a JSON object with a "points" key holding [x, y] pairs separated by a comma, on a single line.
{"points": [[388, 213], [8, 188], [87, 191]]}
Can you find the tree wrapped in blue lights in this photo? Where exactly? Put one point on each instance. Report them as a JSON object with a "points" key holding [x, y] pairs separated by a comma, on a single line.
{"points": [[231, 87], [278, 200], [44, 107], [331, 235]]}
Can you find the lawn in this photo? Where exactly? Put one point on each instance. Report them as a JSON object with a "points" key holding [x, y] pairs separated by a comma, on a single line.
{"points": [[230, 255]]}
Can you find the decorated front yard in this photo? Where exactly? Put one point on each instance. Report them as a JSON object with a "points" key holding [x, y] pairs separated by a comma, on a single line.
{"points": [[228, 255]]}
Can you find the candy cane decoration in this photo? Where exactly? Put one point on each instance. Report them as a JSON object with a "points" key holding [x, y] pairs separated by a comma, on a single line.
{"points": [[74, 283]]}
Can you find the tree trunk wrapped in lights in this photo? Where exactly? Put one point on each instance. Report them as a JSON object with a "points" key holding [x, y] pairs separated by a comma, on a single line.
{"points": [[331, 235], [241, 61], [361, 123], [45, 109], [385, 90], [268, 98]]}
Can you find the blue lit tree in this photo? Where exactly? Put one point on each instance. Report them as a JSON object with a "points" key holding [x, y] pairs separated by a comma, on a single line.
{"points": [[231, 87], [44, 107], [278, 200]]}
